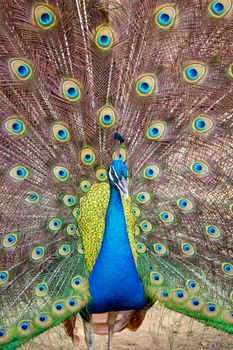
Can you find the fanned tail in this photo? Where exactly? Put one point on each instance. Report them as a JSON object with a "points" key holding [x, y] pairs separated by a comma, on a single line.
{"points": [[72, 73]]}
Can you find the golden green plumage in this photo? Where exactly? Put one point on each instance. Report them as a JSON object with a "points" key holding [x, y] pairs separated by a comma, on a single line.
{"points": [[91, 221]]}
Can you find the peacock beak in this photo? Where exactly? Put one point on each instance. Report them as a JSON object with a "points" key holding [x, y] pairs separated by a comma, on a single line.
{"points": [[123, 187], [121, 184]]}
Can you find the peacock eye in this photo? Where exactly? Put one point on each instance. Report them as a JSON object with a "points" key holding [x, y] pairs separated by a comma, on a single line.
{"points": [[106, 117], [21, 69], [85, 185], [146, 85], [156, 130], [101, 174], [219, 9], [202, 124], [71, 90], [60, 173], [19, 173], [104, 37], [87, 156], [60, 132], [199, 168], [194, 72], [44, 17], [15, 126], [165, 17]]}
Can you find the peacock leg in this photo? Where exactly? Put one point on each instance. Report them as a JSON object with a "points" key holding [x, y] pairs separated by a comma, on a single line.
{"points": [[89, 334], [69, 326], [112, 315]]}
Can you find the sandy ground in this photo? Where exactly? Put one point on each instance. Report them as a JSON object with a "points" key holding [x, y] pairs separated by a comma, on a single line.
{"points": [[161, 330]]}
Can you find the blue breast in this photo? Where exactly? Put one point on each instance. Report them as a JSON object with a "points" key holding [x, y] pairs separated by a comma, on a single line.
{"points": [[114, 280]]}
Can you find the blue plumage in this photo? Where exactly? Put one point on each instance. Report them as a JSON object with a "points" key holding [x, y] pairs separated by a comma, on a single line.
{"points": [[114, 280]]}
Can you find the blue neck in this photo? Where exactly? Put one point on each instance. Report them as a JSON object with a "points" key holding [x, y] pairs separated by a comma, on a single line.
{"points": [[114, 280]]}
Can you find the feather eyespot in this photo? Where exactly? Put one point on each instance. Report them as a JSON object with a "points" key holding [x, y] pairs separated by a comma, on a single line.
{"points": [[166, 216], [21, 69], [199, 168], [160, 249], [193, 286], [76, 212], [152, 268], [10, 240], [146, 226], [106, 117], [43, 320], [195, 304], [87, 156], [156, 130], [4, 277], [55, 224], [187, 249], [19, 173], [60, 132], [136, 211], [141, 248], [38, 253], [44, 17], [143, 197], [227, 268], [212, 231], [202, 124], [194, 72], [32, 197], [71, 90], [41, 289], [72, 304], [185, 204], [64, 250], [179, 295], [164, 295], [219, 9], [71, 229], [228, 315], [58, 308], [4, 335], [211, 309], [77, 282], [69, 200], [146, 85], [156, 278], [61, 173], [165, 17], [80, 249], [85, 185], [15, 126], [25, 328], [101, 174], [151, 172], [104, 37]]}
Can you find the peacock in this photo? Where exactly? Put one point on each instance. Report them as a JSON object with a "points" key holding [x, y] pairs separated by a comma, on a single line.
{"points": [[115, 162]]}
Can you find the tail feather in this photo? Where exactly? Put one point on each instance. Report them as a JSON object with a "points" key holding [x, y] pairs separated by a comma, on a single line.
{"points": [[168, 92]]}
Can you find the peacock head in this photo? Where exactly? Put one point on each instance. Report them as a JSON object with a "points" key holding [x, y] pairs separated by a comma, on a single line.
{"points": [[117, 174]]}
